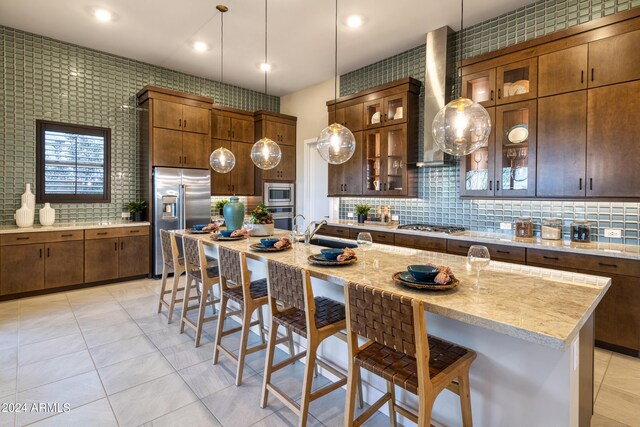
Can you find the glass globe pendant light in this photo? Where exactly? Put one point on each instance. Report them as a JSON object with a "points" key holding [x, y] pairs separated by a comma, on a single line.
{"points": [[265, 153], [462, 126], [222, 160], [336, 143]]}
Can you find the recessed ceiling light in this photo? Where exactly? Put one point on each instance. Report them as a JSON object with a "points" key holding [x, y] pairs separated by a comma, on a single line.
{"points": [[102, 15], [200, 46], [354, 21], [265, 67]]}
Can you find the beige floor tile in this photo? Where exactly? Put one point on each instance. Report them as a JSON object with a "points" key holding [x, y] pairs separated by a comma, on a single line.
{"points": [[94, 414], [151, 400], [206, 378], [133, 372], [39, 319], [9, 310], [602, 354], [94, 308], [329, 409], [142, 307], [618, 405], [285, 418], [55, 369], [108, 354], [9, 325], [48, 332], [227, 403], [7, 419], [8, 357], [599, 371], [76, 391], [49, 349], [194, 414], [130, 291], [108, 334], [155, 322], [182, 356], [171, 337], [113, 317], [8, 381], [600, 421], [89, 296], [624, 373], [9, 339]]}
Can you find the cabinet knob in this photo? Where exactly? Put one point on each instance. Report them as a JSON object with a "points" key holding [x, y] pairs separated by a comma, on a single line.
{"points": [[499, 93]]}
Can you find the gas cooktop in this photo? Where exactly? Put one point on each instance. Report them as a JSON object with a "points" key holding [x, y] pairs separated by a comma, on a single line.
{"points": [[433, 228]]}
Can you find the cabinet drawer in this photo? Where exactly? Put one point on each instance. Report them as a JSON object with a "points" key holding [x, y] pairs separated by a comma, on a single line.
{"points": [[40, 237], [567, 260], [421, 242], [334, 231], [107, 233], [384, 237], [498, 252]]}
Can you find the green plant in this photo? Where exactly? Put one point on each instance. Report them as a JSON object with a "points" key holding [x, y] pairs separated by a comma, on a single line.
{"points": [[362, 209], [260, 215], [220, 204], [134, 206]]}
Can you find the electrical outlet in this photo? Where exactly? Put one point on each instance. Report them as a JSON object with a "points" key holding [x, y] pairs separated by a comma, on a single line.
{"points": [[125, 214], [349, 214], [613, 232], [505, 226]]}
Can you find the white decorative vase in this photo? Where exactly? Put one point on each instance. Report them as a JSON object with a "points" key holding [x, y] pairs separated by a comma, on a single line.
{"points": [[260, 230], [29, 200], [24, 216], [47, 215]]}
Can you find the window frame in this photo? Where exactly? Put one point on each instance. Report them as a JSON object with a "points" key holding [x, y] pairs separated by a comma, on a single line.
{"points": [[41, 197]]}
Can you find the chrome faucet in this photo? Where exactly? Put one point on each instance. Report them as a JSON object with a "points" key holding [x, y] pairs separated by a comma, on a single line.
{"points": [[308, 234]]}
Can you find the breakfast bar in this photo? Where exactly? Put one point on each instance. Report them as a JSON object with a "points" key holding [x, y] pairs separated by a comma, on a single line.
{"points": [[532, 329]]}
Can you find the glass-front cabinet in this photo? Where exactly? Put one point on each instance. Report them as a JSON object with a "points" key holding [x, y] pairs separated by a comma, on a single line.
{"points": [[517, 82], [386, 111], [386, 161], [480, 87], [477, 169]]}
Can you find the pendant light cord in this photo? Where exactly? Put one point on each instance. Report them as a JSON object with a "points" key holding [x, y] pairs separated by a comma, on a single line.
{"points": [[459, 66], [335, 65], [266, 21], [222, 10]]}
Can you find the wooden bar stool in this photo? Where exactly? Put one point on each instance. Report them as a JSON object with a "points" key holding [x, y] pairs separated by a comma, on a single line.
{"points": [[313, 318], [205, 275], [236, 285], [400, 351], [172, 263]]}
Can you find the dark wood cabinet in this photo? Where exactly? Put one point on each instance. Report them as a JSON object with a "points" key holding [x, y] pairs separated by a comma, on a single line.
{"points": [[517, 81], [613, 147], [133, 256], [64, 264], [101, 259], [167, 147], [384, 237], [349, 116], [195, 150], [480, 87], [22, 268], [424, 243], [167, 115], [387, 111], [282, 129], [286, 169], [614, 59], [477, 170], [387, 172], [279, 131], [243, 174], [221, 182], [562, 145], [516, 255], [346, 179], [334, 231], [563, 71], [195, 119], [232, 124]]}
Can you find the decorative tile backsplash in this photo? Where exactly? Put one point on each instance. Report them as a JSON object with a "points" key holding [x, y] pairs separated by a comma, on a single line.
{"points": [[44, 78], [439, 199]]}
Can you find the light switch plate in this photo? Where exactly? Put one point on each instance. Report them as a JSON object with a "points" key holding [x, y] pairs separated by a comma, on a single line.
{"points": [[505, 226], [125, 214], [613, 232], [349, 214]]}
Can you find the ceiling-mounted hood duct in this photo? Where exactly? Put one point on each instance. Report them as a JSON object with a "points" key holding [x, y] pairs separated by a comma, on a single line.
{"points": [[437, 93]]}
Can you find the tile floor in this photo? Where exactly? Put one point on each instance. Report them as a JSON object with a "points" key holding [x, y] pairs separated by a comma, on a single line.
{"points": [[106, 353]]}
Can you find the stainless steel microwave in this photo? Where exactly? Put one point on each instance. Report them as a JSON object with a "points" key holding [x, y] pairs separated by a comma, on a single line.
{"points": [[279, 194]]}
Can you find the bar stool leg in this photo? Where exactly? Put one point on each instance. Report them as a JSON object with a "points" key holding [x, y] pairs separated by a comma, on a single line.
{"points": [[174, 296], [425, 405], [185, 302], [163, 287], [268, 363], [465, 398], [220, 326], [261, 325], [310, 364], [290, 342], [246, 322], [202, 307], [393, 421], [353, 376]]}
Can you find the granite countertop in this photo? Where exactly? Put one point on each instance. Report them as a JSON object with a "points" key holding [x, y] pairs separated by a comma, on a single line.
{"points": [[539, 305], [616, 250], [8, 229]]}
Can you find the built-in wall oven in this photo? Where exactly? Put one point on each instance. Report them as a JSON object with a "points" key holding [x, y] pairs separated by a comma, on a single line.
{"points": [[279, 194], [282, 216]]}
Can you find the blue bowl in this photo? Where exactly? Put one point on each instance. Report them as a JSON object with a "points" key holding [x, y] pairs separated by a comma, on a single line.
{"points": [[423, 273], [226, 233], [199, 227], [269, 242], [331, 253]]}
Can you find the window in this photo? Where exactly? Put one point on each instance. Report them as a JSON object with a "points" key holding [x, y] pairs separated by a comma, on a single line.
{"points": [[73, 163]]}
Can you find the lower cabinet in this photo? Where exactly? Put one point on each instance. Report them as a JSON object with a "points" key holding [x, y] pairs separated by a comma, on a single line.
{"points": [[63, 264], [100, 259], [133, 256], [22, 268], [116, 253]]}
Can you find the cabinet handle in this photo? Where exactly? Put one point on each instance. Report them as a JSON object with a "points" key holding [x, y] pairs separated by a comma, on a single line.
{"points": [[233, 134], [23, 238], [503, 252], [385, 186], [185, 160], [345, 124], [490, 185], [345, 187], [228, 133], [581, 76], [608, 265], [179, 123], [463, 247], [580, 184], [40, 252], [590, 183], [185, 124], [592, 74], [233, 187], [497, 185], [116, 246], [66, 235], [48, 252], [103, 233], [180, 159], [134, 231], [491, 95], [552, 258], [121, 246], [499, 93]]}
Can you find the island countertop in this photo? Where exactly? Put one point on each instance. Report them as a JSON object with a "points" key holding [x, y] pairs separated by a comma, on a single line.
{"points": [[539, 305]]}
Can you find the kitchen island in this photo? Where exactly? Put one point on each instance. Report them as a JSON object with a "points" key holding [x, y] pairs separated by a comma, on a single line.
{"points": [[533, 330]]}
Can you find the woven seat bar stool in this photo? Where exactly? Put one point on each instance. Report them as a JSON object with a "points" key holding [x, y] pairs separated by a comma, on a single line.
{"points": [[236, 286], [400, 351], [203, 272], [172, 263], [312, 318]]}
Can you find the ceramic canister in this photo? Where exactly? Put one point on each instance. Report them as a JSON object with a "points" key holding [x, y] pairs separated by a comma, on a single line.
{"points": [[47, 215], [233, 213], [24, 216], [29, 199]]}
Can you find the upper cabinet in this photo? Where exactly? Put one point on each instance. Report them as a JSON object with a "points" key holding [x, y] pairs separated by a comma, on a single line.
{"points": [[281, 128], [513, 82], [477, 170], [232, 125], [384, 163], [614, 59], [563, 71], [174, 129], [480, 87]]}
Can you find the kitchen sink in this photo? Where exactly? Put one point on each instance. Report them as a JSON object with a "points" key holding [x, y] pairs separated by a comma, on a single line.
{"points": [[330, 243]]}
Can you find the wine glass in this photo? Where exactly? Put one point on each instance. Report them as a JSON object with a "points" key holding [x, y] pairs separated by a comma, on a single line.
{"points": [[364, 240], [218, 220], [478, 259]]}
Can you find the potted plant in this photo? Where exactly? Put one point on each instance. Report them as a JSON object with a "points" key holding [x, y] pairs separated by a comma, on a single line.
{"points": [[261, 221], [136, 209], [362, 210], [220, 205]]}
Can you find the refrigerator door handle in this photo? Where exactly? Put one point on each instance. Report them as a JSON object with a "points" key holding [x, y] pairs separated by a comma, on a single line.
{"points": [[183, 217]]}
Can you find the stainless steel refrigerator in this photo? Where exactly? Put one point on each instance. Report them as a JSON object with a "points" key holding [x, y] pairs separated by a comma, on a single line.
{"points": [[182, 198]]}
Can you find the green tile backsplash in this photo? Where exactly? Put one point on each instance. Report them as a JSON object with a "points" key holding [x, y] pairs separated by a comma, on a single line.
{"points": [[44, 78], [439, 199]]}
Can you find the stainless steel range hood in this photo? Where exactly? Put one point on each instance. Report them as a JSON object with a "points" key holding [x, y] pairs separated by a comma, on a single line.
{"points": [[437, 90]]}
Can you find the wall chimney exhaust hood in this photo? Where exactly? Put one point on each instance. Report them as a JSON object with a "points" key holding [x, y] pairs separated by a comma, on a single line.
{"points": [[437, 93]]}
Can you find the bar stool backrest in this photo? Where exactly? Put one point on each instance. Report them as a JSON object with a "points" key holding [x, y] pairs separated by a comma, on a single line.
{"points": [[170, 254], [233, 267], [287, 284], [194, 257]]}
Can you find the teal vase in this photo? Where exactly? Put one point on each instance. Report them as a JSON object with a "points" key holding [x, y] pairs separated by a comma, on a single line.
{"points": [[233, 213]]}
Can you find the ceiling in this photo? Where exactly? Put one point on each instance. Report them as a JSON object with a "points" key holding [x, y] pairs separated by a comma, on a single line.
{"points": [[162, 32]]}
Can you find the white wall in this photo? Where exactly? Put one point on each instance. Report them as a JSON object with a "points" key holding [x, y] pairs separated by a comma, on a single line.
{"points": [[309, 105]]}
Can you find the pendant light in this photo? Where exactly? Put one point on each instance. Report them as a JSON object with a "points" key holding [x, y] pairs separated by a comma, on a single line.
{"points": [[222, 160], [462, 126], [336, 143], [265, 153]]}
